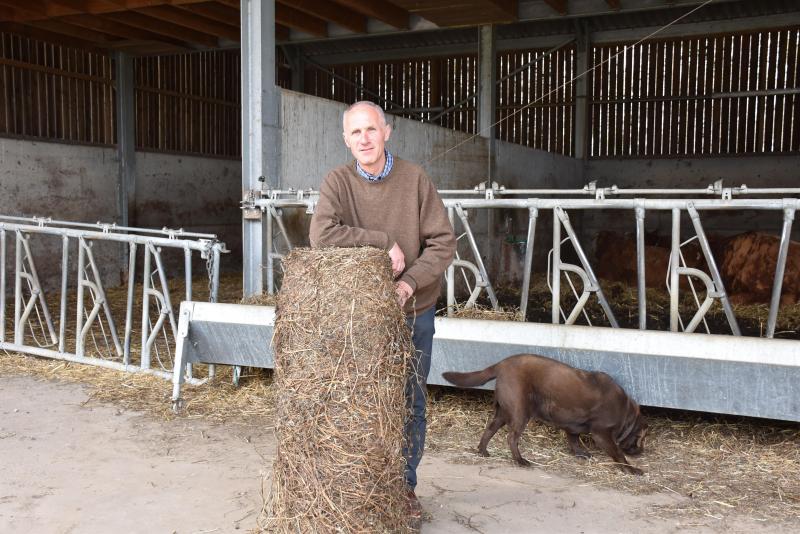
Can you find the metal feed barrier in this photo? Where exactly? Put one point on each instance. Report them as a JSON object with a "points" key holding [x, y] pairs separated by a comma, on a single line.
{"points": [[677, 369], [96, 334]]}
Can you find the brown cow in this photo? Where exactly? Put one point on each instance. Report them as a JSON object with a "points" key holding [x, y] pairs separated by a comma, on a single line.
{"points": [[615, 254], [748, 269]]}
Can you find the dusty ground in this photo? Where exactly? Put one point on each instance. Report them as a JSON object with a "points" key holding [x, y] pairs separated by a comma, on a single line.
{"points": [[70, 464]]}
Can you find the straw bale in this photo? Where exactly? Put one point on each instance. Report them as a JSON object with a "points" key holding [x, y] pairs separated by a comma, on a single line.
{"points": [[341, 353]]}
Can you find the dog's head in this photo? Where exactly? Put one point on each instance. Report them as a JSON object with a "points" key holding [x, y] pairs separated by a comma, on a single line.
{"points": [[631, 439]]}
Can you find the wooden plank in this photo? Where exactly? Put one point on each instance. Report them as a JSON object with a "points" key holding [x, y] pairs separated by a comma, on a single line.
{"points": [[171, 31], [381, 10], [192, 21]]}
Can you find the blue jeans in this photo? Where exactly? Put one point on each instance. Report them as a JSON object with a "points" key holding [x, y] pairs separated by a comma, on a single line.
{"points": [[422, 330]]}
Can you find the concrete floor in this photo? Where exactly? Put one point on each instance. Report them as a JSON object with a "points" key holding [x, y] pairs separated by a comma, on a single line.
{"points": [[73, 466]]}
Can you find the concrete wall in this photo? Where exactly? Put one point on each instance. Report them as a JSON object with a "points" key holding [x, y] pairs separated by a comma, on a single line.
{"points": [[79, 183]]}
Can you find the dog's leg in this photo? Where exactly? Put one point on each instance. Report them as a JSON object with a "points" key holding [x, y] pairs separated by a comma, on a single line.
{"points": [[575, 444], [491, 429], [606, 442], [515, 430]]}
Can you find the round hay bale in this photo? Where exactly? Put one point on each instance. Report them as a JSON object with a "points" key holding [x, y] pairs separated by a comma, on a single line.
{"points": [[341, 353]]}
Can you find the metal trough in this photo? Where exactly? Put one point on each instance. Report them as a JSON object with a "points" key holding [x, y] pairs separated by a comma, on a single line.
{"points": [[711, 373]]}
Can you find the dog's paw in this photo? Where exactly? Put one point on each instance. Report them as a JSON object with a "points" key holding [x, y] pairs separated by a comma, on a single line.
{"points": [[583, 454], [522, 462], [633, 470], [483, 453]]}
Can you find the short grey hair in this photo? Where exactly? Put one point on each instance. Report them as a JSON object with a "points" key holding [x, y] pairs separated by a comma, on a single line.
{"points": [[367, 103]]}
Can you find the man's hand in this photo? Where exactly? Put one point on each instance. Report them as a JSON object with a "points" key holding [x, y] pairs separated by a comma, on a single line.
{"points": [[403, 292], [398, 261]]}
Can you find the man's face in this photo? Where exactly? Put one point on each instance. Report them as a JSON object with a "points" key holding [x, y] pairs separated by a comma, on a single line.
{"points": [[365, 135]]}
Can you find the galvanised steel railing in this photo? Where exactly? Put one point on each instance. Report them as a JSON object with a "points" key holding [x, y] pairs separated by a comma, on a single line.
{"points": [[34, 329]]}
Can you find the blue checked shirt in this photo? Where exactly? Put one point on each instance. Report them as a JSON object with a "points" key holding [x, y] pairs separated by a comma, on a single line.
{"points": [[387, 168]]}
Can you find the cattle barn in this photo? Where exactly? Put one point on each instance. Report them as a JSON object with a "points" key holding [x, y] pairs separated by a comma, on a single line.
{"points": [[623, 177]]}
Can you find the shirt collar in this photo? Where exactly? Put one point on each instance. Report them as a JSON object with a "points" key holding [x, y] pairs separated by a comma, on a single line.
{"points": [[387, 168]]}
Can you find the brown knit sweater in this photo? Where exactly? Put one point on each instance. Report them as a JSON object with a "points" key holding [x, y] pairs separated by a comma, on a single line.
{"points": [[403, 208]]}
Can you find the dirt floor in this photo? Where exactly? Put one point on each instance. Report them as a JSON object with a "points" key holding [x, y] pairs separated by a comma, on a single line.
{"points": [[73, 464]]}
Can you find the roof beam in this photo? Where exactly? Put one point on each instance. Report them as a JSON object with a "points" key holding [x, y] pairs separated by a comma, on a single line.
{"points": [[298, 20], [614, 4], [60, 27], [381, 10], [560, 6], [344, 17], [192, 21], [167, 29], [282, 33], [215, 11], [124, 31], [509, 7], [48, 36]]}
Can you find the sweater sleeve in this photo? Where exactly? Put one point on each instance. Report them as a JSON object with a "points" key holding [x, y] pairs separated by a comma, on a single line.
{"points": [[327, 227], [436, 236]]}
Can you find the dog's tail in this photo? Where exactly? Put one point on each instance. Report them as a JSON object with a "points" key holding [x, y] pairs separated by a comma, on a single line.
{"points": [[468, 380]]}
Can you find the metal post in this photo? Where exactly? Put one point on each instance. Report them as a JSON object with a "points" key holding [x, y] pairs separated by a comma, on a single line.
{"points": [[268, 255], [582, 53], [101, 295], [640, 270], [673, 270], [126, 349], [145, 353], [79, 306], [261, 133], [556, 269], [533, 214], [187, 267], [487, 101], [162, 276], [562, 215], [451, 272], [712, 265], [780, 270], [2, 285], [462, 215], [62, 321]]}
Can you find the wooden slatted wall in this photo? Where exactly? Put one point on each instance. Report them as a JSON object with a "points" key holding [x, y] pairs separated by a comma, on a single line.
{"points": [[535, 102], [418, 89], [189, 103], [684, 97], [55, 92]]}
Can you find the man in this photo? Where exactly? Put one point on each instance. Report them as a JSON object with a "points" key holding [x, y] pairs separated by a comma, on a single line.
{"points": [[390, 203]]}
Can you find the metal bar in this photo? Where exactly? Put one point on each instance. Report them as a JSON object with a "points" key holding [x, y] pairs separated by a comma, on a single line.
{"points": [[34, 277], [281, 227], [106, 227], [79, 306], [97, 362], [62, 321], [712, 265], [562, 215], [162, 276], [673, 270], [200, 245], [126, 355], [145, 354], [780, 271], [451, 272], [478, 260], [533, 215], [187, 268], [641, 278], [556, 276], [102, 298], [268, 256], [2, 285]]}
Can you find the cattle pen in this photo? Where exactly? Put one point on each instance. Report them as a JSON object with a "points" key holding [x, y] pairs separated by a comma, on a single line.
{"points": [[621, 176]]}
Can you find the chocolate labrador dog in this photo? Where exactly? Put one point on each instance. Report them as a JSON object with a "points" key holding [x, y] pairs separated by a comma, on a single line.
{"points": [[577, 401]]}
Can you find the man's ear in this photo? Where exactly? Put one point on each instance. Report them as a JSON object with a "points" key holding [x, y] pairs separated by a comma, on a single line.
{"points": [[387, 132], [346, 142]]}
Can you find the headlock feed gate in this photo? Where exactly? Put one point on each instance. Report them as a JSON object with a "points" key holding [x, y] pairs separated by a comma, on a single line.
{"points": [[678, 369]]}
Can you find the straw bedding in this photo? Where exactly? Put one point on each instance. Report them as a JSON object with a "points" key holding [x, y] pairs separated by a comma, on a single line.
{"points": [[341, 352]]}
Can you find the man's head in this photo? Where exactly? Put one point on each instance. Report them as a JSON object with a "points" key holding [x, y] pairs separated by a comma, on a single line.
{"points": [[365, 133]]}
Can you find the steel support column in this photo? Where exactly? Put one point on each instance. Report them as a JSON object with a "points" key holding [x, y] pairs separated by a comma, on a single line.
{"points": [[261, 134], [126, 138], [582, 48]]}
